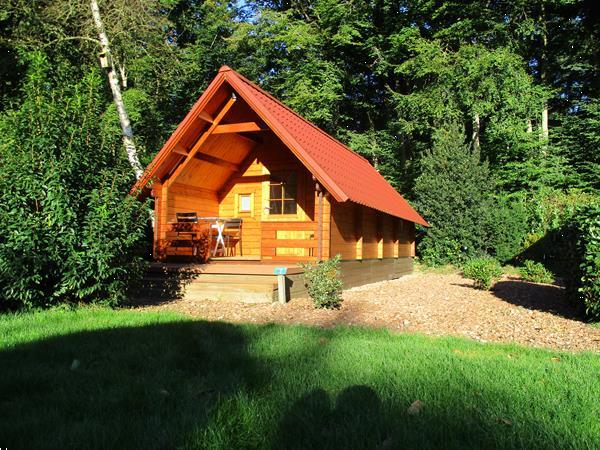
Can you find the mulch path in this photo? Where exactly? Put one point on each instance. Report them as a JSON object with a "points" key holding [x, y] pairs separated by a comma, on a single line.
{"points": [[532, 314]]}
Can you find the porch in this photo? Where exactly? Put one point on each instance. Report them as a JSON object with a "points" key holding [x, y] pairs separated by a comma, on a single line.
{"points": [[233, 279]]}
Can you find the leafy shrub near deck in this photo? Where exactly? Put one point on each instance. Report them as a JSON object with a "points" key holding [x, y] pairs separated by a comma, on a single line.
{"points": [[323, 282], [68, 230], [484, 271], [535, 272], [585, 284]]}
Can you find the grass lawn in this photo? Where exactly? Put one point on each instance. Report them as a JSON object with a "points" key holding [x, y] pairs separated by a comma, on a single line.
{"points": [[97, 378]]}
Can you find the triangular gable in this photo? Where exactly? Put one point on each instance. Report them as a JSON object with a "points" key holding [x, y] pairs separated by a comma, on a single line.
{"points": [[345, 174]]}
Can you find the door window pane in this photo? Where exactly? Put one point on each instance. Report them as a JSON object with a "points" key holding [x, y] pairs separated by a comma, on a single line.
{"points": [[275, 207], [289, 207], [282, 193], [245, 203]]}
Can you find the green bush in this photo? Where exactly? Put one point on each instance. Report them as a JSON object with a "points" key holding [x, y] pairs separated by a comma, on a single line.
{"points": [[535, 272], [454, 193], [323, 283], [440, 252], [484, 271], [586, 280], [69, 233], [508, 228]]}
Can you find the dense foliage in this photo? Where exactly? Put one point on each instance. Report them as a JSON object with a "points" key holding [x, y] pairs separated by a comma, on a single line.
{"points": [[455, 194], [483, 271], [406, 84], [68, 233], [324, 283], [587, 279], [535, 272]]}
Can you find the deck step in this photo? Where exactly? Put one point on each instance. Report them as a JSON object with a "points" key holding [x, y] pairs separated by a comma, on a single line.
{"points": [[194, 286]]}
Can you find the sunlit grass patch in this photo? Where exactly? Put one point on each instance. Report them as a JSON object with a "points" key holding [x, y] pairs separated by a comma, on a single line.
{"points": [[161, 380]]}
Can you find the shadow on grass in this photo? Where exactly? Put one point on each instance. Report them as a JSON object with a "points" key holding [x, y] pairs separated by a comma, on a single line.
{"points": [[192, 384], [138, 387]]}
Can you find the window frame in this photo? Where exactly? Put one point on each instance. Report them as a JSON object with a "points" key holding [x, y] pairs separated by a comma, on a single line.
{"points": [[284, 198], [240, 202]]}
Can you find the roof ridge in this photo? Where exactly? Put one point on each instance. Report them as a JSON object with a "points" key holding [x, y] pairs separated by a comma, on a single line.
{"points": [[279, 102]]}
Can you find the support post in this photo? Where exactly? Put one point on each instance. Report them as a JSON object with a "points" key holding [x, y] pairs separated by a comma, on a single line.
{"points": [[319, 222], [281, 291]]}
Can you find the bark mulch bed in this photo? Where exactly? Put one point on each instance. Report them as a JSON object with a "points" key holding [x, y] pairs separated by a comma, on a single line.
{"points": [[430, 303]]}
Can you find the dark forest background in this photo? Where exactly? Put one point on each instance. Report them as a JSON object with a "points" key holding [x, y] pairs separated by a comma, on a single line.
{"points": [[447, 99]]}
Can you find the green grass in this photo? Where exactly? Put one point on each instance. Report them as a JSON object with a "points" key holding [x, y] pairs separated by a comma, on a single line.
{"points": [[511, 271], [446, 269], [156, 380]]}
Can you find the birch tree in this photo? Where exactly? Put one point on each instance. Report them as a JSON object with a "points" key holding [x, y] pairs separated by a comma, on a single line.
{"points": [[115, 88]]}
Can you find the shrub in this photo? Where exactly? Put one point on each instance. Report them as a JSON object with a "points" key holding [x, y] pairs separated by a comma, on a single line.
{"points": [[69, 233], [508, 228], [454, 194], [535, 272], [484, 271], [585, 284], [323, 283]]}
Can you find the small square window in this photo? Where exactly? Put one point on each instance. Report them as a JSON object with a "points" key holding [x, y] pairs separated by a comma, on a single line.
{"points": [[245, 203]]}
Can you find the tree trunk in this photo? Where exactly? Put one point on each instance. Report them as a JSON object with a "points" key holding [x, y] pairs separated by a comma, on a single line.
{"points": [[545, 122], [113, 80], [543, 68], [529, 126], [476, 129]]}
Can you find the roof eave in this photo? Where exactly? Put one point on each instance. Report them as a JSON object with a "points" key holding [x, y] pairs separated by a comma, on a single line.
{"points": [[139, 188], [337, 193]]}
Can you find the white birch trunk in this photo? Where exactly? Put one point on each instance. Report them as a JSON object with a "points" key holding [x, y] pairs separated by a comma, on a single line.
{"points": [[543, 68], [545, 122], [476, 128], [116, 92]]}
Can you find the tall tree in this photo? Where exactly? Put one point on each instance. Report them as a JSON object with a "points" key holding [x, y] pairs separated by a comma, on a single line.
{"points": [[113, 80]]}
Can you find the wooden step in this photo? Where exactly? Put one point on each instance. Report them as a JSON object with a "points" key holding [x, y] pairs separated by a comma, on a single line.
{"points": [[255, 288]]}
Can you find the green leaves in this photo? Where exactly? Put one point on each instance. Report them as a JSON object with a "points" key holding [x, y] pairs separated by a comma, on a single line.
{"points": [[324, 283], [67, 231], [454, 194]]}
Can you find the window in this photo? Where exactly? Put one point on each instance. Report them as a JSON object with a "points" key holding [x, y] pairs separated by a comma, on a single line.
{"points": [[245, 203], [282, 193]]}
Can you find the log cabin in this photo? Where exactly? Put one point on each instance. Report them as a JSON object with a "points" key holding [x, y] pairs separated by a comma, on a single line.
{"points": [[292, 193]]}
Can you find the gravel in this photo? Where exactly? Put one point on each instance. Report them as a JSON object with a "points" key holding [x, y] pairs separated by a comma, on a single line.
{"points": [[537, 315]]}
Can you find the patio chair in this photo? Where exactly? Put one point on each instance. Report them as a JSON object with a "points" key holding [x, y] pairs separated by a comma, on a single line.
{"points": [[186, 231], [232, 233]]}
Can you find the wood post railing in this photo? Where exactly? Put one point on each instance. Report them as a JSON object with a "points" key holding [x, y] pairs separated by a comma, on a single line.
{"points": [[289, 241]]}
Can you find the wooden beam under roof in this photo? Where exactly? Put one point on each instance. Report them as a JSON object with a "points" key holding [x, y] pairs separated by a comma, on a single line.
{"points": [[180, 149], [241, 127], [200, 142], [205, 116], [217, 161]]}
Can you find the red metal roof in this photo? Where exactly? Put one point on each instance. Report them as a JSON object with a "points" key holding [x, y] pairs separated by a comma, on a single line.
{"points": [[344, 173]]}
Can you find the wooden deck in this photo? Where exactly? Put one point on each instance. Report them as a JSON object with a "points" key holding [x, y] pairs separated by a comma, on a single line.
{"points": [[232, 280], [250, 281], [227, 266]]}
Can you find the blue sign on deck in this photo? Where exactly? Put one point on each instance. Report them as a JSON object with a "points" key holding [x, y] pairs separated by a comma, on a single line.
{"points": [[280, 270]]}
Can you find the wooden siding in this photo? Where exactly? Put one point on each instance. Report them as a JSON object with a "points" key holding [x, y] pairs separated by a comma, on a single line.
{"points": [[233, 165], [358, 232], [357, 273], [344, 233]]}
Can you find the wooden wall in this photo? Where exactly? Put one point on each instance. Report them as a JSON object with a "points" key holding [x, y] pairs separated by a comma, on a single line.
{"points": [[248, 182], [354, 231], [275, 237], [359, 232]]}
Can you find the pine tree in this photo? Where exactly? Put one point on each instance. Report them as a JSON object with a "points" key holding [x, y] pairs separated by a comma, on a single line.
{"points": [[454, 193]]}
